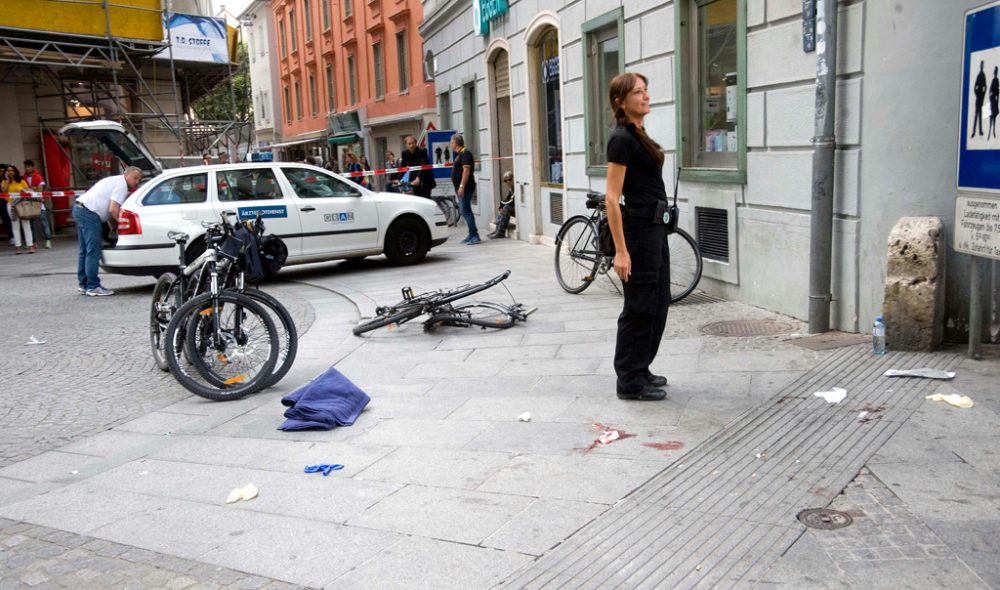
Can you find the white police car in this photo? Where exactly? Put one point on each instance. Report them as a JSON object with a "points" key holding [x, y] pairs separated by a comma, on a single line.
{"points": [[319, 215]]}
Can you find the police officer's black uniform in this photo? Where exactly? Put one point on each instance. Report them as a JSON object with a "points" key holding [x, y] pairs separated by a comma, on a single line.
{"points": [[647, 291]]}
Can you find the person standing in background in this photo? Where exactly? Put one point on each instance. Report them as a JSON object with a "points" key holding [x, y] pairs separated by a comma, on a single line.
{"points": [[37, 183], [464, 179], [13, 183]]}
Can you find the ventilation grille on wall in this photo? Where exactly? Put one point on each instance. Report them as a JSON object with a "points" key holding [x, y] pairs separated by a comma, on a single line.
{"points": [[713, 233], [556, 208]]}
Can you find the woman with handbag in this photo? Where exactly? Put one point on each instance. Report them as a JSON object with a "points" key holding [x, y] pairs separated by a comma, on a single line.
{"points": [[13, 183]]}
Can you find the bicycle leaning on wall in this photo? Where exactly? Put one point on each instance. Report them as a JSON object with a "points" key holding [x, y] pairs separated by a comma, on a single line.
{"points": [[579, 259]]}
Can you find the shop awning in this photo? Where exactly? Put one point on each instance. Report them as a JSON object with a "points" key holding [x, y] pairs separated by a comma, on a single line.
{"points": [[345, 138], [299, 141]]}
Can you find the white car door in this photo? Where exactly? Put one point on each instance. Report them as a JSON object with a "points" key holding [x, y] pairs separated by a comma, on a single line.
{"points": [[337, 215], [249, 191]]}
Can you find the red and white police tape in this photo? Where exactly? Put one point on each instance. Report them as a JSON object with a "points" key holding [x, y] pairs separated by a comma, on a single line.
{"points": [[380, 171], [376, 172], [35, 195]]}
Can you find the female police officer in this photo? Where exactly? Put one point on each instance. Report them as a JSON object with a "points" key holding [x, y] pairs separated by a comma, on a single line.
{"points": [[642, 260]]}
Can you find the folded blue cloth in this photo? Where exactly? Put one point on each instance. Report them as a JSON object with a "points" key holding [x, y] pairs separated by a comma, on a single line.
{"points": [[328, 401]]}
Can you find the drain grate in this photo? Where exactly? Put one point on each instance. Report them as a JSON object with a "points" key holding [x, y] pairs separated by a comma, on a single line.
{"points": [[747, 328], [824, 518], [699, 298]]}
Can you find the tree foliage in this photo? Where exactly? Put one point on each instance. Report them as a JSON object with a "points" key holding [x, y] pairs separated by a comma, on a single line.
{"points": [[217, 105]]}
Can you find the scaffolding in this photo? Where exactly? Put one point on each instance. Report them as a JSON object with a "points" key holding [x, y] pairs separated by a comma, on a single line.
{"points": [[135, 82]]}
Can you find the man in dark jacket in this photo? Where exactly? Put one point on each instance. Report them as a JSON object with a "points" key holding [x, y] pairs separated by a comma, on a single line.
{"points": [[423, 181]]}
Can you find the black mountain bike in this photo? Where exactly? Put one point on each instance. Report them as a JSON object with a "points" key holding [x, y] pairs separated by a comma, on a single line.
{"points": [[579, 260], [437, 305], [219, 329]]}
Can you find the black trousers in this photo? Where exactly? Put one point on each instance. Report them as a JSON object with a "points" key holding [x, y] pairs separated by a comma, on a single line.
{"points": [[647, 300]]}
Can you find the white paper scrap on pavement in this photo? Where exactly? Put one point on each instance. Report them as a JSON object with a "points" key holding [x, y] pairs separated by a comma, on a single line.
{"points": [[525, 417], [834, 397], [609, 437], [959, 401], [34, 340], [925, 373]]}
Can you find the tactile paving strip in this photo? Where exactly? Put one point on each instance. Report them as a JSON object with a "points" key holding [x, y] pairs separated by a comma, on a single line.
{"points": [[723, 513]]}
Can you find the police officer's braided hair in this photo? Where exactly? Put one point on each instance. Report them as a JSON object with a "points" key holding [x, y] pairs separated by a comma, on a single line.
{"points": [[619, 89]]}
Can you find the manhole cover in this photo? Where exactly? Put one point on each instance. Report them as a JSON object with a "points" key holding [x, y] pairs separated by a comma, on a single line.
{"points": [[747, 328], [824, 518]]}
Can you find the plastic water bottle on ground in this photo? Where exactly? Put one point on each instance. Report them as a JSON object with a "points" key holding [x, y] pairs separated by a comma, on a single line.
{"points": [[878, 336]]}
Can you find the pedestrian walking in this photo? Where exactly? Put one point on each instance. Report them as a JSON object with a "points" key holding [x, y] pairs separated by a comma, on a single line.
{"points": [[422, 181], [91, 211], [37, 183], [464, 179], [642, 257], [14, 183], [506, 208]]}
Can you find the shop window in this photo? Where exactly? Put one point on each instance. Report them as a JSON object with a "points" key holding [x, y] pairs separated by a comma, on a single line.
{"points": [[712, 92], [351, 80], [313, 98], [603, 59], [378, 66], [403, 60], [288, 105], [284, 41], [550, 124], [331, 97], [308, 14], [178, 190], [470, 117], [444, 110], [298, 100]]}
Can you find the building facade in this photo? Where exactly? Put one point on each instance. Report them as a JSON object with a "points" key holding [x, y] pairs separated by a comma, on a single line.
{"points": [[259, 31], [350, 76], [733, 93]]}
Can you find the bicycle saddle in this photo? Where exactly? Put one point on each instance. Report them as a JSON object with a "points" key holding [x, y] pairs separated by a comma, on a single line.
{"points": [[177, 236]]}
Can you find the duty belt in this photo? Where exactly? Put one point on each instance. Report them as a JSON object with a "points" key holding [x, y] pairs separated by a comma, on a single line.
{"points": [[657, 213]]}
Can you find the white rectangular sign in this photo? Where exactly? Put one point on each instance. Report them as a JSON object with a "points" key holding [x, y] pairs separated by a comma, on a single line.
{"points": [[197, 38], [977, 226]]}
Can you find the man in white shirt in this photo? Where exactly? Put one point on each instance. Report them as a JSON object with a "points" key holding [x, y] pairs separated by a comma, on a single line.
{"points": [[92, 210]]}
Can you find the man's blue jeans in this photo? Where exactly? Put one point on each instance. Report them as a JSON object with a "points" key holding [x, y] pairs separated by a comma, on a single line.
{"points": [[465, 207], [89, 237]]}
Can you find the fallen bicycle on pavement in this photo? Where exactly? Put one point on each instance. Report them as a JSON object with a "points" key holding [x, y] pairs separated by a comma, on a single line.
{"points": [[437, 306]]}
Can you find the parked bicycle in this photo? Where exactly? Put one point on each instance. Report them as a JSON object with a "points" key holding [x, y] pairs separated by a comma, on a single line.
{"points": [[579, 260], [216, 340], [446, 203], [437, 305]]}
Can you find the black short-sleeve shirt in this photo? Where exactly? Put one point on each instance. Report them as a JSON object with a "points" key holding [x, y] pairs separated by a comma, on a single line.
{"points": [[463, 159], [643, 184]]}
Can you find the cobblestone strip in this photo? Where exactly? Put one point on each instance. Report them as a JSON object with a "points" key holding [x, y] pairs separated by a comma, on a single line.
{"points": [[40, 557], [723, 512]]}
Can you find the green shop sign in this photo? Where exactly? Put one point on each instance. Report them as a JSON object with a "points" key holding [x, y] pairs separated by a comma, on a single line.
{"points": [[483, 11]]}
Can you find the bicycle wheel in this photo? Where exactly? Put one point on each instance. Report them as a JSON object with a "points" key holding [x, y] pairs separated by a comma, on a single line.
{"points": [[392, 316], [577, 254], [288, 335], [685, 264], [229, 362], [482, 314], [165, 301]]}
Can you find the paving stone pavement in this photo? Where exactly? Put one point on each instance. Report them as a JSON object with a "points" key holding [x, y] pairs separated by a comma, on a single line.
{"points": [[443, 486], [94, 370], [41, 557]]}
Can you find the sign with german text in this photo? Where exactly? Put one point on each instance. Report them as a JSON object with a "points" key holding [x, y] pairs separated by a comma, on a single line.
{"points": [[977, 226], [196, 38]]}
